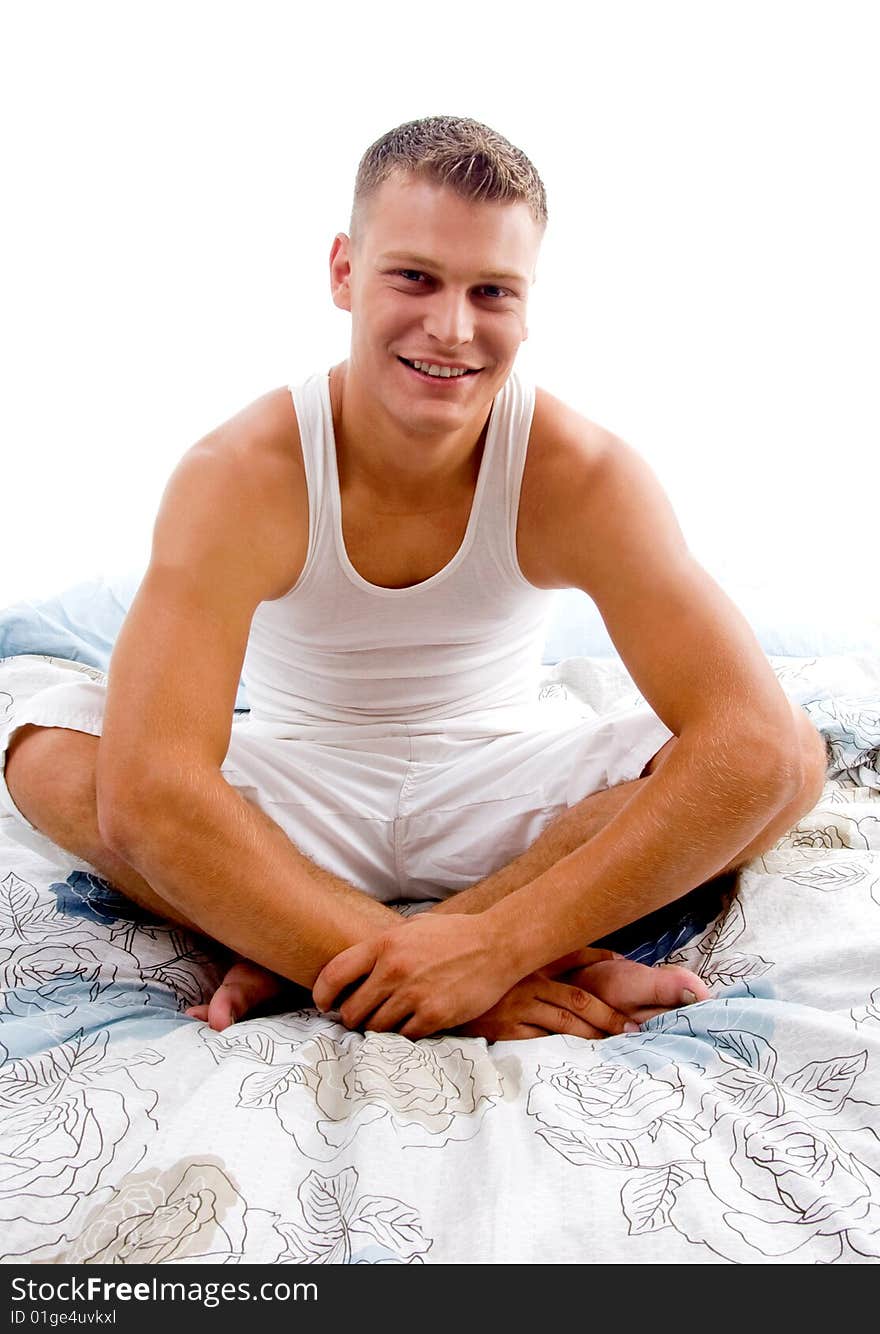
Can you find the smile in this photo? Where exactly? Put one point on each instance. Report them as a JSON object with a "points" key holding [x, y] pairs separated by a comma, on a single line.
{"points": [[429, 370]]}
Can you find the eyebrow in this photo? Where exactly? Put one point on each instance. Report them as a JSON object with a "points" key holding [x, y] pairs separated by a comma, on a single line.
{"points": [[419, 261]]}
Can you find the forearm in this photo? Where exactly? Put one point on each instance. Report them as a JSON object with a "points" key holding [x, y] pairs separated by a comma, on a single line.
{"points": [[567, 832], [711, 798], [229, 869]]}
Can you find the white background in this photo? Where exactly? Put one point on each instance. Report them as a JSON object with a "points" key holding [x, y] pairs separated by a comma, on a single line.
{"points": [[709, 286]]}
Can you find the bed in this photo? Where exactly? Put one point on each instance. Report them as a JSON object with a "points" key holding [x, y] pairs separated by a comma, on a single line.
{"points": [[744, 1129]]}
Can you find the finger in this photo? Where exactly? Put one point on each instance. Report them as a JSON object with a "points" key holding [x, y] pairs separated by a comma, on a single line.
{"points": [[585, 1006], [496, 1031], [557, 1019], [345, 968], [417, 1027], [387, 1018], [366, 1000], [198, 1012]]}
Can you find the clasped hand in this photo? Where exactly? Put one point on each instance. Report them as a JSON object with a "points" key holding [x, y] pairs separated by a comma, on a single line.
{"points": [[447, 972], [432, 974]]}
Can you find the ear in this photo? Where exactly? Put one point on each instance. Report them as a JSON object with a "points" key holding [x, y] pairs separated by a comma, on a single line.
{"points": [[340, 271]]}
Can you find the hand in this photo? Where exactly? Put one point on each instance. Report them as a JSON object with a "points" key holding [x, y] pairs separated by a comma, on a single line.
{"points": [[430, 974], [546, 1002]]}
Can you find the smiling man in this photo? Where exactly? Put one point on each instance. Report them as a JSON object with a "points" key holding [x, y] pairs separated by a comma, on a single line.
{"points": [[376, 550]]}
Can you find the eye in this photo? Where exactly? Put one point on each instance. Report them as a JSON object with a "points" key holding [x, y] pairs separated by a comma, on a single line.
{"points": [[411, 275], [494, 293]]}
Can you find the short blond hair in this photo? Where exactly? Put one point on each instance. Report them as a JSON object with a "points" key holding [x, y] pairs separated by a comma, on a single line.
{"points": [[474, 160]]}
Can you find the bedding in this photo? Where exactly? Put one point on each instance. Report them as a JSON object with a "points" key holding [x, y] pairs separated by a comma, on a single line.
{"points": [[744, 1129]]}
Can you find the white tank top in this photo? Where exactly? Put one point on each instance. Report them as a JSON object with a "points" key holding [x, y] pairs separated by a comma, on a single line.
{"points": [[463, 647]]}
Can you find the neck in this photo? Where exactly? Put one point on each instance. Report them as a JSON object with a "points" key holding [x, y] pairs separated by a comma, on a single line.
{"points": [[415, 469]]}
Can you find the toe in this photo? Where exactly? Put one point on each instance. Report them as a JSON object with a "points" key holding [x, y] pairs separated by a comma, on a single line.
{"points": [[678, 986]]}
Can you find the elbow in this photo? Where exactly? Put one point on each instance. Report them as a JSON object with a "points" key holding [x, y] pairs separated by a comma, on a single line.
{"points": [[795, 761], [130, 808], [810, 758]]}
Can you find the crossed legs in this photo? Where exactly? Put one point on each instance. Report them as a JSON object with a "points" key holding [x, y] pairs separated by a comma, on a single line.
{"points": [[50, 773]]}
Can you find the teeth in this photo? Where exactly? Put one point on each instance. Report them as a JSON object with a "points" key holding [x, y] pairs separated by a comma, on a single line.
{"points": [[445, 372]]}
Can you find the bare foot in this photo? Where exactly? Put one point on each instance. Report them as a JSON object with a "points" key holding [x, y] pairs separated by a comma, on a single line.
{"points": [[245, 986], [636, 990]]}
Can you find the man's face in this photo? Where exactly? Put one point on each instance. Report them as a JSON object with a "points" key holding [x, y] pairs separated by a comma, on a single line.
{"points": [[434, 283]]}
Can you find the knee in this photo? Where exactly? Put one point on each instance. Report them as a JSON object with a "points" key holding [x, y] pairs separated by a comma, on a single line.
{"points": [[25, 761], [813, 760], [48, 766]]}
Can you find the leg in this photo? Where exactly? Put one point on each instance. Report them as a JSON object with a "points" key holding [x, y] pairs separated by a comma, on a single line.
{"points": [[50, 773]]}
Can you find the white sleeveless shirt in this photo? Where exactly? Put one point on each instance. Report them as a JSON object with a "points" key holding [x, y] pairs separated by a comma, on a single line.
{"points": [[461, 648]]}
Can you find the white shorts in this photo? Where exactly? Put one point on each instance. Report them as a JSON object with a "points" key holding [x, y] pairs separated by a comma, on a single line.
{"points": [[402, 815]]}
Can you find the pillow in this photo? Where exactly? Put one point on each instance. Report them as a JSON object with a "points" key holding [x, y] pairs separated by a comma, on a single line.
{"points": [[788, 622], [81, 624]]}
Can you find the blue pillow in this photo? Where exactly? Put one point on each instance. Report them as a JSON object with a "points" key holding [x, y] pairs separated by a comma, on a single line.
{"points": [[81, 624], [788, 622]]}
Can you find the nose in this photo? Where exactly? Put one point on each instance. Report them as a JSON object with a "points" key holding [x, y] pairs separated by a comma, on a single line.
{"points": [[449, 319]]}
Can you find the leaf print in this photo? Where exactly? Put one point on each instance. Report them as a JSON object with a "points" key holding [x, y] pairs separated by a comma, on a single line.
{"points": [[302, 1249], [17, 899], [325, 1200], [45, 1075], [827, 875], [393, 1225], [648, 1197], [726, 931], [749, 1091], [238, 1043], [146, 1057], [22, 915], [179, 980], [726, 972], [263, 1089], [82, 1055], [333, 1222], [675, 1020], [744, 1046], [578, 1149], [827, 1083]]}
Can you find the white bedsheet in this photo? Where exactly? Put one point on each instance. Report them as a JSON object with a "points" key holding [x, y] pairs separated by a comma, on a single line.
{"points": [[743, 1129]]}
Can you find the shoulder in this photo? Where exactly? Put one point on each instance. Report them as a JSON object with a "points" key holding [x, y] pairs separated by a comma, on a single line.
{"points": [[242, 488], [575, 469], [260, 446]]}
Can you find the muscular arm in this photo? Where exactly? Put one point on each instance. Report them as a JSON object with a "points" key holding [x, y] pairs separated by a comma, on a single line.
{"points": [[222, 544], [737, 761]]}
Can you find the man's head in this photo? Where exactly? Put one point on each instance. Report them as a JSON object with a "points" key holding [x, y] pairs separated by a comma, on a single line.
{"points": [[447, 222], [476, 162]]}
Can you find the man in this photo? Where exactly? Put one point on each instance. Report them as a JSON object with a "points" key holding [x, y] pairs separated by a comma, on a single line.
{"points": [[375, 550]]}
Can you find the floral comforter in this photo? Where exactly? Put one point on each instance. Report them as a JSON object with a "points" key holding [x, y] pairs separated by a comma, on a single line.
{"points": [[745, 1129]]}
